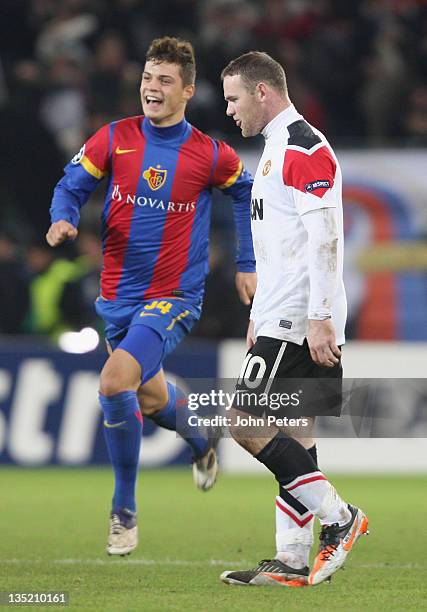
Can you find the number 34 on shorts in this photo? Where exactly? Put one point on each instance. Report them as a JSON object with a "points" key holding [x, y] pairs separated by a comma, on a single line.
{"points": [[164, 307]]}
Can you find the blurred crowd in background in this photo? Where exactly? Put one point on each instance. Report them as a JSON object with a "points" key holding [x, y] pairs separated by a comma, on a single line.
{"points": [[356, 69]]}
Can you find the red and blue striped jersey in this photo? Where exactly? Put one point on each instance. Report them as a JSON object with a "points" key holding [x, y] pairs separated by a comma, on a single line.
{"points": [[156, 215]]}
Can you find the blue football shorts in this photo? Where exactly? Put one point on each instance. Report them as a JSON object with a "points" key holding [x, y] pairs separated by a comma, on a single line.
{"points": [[171, 318]]}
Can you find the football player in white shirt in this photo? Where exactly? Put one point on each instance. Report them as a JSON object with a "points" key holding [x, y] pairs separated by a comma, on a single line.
{"points": [[297, 321]]}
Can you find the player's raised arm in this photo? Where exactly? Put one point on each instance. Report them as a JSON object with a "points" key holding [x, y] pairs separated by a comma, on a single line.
{"points": [[82, 175], [230, 176]]}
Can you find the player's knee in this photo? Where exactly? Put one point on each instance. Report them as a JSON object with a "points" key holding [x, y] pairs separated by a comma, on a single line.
{"points": [[304, 433], [240, 435], [241, 440], [111, 385], [306, 442], [115, 380], [237, 431]]}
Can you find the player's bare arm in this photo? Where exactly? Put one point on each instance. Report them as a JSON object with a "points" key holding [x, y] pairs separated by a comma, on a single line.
{"points": [[59, 232], [246, 286]]}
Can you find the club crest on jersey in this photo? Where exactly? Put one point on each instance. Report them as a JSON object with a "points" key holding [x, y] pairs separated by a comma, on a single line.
{"points": [[267, 168], [155, 177]]}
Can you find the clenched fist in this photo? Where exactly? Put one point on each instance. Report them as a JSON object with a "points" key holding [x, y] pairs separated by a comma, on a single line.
{"points": [[59, 232], [246, 286]]}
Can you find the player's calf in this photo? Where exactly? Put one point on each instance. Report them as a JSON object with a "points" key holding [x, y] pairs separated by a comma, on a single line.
{"points": [[203, 440]]}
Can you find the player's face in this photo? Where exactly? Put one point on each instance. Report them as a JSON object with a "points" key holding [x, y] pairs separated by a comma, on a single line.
{"points": [[163, 94], [243, 106]]}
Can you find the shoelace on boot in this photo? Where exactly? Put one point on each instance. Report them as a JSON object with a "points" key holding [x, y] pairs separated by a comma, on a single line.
{"points": [[329, 541], [264, 565], [116, 526]]}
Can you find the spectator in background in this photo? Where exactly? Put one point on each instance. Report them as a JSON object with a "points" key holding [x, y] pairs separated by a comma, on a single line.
{"points": [[62, 46], [30, 158], [386, 83], [63, 109], [65, 28], [109, 77], [45, 294], [291, 53], [82, 289], [282, 21], [14, 294], [331, 67], [49, 276], [357, 70], [223, 314], [415, 123], [328, 45], [26, 87], [225, 29]]}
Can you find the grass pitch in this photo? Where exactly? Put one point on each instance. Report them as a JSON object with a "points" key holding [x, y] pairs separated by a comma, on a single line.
{"points": [[54, 526]]}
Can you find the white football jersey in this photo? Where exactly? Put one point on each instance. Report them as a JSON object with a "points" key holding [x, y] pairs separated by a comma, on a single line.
{"points": [[297, 173]]}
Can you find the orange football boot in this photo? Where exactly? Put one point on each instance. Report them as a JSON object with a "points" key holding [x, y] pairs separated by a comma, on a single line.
{"points": [[335, 544]]}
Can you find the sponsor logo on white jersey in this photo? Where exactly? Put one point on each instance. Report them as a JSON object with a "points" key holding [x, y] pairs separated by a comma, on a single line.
{"points": [[257, 209]]}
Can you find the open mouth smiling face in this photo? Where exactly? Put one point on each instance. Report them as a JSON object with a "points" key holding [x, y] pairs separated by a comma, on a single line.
{"points": [[163, 93]]}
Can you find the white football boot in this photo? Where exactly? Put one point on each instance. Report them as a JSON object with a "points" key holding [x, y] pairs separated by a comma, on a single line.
{"points": [[123, 536]]}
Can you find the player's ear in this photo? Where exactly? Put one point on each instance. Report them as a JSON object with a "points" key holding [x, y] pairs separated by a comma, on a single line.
{"points": [[261, 91], [189, 91]]}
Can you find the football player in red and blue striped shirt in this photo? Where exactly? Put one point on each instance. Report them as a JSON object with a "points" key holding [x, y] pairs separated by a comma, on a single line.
{"points": [[160, 171]]}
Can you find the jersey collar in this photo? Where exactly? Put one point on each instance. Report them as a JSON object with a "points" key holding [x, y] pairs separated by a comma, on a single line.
{"points": [[274, 129], [172, 134]]}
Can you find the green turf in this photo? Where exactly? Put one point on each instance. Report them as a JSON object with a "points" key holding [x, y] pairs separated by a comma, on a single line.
{"points": [[54, 523]]}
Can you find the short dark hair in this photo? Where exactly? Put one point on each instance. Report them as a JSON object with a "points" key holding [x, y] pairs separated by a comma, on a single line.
{"points": [[257, 67], [174, 51]]}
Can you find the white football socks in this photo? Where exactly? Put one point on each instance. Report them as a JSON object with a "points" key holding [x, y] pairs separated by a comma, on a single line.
{"points": [[294, 535], [320, 497]]}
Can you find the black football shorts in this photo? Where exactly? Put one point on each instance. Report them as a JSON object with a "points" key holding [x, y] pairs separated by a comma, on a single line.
{"points": [[280, 378]]}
